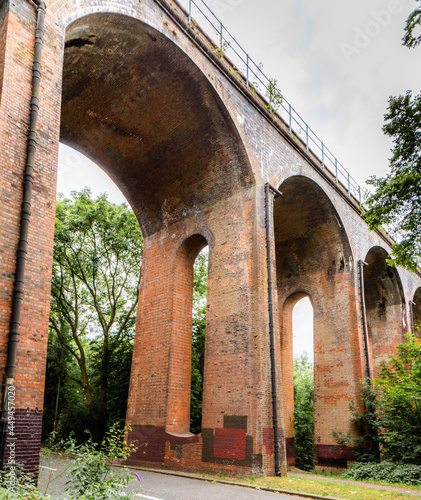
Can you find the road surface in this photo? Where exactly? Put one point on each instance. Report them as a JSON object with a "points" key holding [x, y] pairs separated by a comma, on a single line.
{"points": [[156, 486]]}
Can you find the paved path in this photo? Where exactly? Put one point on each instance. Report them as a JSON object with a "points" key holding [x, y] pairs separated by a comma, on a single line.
{"points": [[162, 485], [157, 486]]}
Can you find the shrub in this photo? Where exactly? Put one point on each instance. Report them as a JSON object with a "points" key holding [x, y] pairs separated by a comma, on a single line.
{"points": [[92, 477], [389, 472], [304, 412]]}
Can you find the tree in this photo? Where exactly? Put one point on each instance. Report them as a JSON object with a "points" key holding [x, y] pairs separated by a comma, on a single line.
{"points": [[304, 412], [412, 23], [389, 425], [95, 284], [397, 200], [399, 403], [198, 340], [366, 424]]}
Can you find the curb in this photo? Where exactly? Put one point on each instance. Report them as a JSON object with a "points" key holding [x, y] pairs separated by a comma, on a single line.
{"points": [[232, 483]]}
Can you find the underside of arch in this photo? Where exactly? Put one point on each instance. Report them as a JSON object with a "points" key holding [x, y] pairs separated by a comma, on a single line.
{"points": [[310, 237], [385, 306], [137, 105]]}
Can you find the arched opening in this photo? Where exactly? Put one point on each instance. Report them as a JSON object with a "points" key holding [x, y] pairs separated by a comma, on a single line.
{"points": [[200, 281], [302, 329], [137, 105], [385, 307], [96, 267], [180, 369], [313, 258], [298, 383], [416, 312]]}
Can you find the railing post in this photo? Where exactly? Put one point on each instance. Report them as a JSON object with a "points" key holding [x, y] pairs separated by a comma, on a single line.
{"points": [[336, 169], [247, 69], [306, 137], [290, 118], [349, 185], [221, 39], [323, 155], [189, 11]]}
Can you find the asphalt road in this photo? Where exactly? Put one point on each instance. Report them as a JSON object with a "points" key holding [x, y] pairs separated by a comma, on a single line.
{"points": [[165, 487], [156, 486]]}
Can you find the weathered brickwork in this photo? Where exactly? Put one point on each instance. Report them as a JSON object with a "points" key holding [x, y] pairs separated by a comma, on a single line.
{"points": [[23, 447], [143, 94]]}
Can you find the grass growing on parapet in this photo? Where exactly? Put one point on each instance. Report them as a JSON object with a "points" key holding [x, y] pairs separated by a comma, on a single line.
{"points": [[274, 96], [322, 488], [220, 51]]}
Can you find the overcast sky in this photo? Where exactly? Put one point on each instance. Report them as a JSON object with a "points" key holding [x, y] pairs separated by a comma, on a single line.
{"points": [[336, 62]]}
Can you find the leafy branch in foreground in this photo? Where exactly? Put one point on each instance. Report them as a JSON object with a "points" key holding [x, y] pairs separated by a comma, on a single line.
{"points": [[92, 476]]}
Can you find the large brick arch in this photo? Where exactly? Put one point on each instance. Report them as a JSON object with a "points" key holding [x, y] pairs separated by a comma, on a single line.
{"points": [[133, 101], [136, 104], [314, 257], [385, 307]]}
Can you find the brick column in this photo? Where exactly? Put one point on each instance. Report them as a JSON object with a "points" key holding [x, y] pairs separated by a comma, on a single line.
{"points": [[17, 31], [237, 433]]}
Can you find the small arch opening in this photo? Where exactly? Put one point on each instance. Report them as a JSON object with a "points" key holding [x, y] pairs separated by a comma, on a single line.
{"points": [[182, 362], [297, 348], [302, 329], [303, 350], [416, 312], [200, 285]]}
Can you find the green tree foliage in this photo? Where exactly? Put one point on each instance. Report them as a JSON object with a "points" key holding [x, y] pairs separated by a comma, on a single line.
{"points": [[399, 403], [304, 412], [366, 424], [198, 340], [96, 272], [412, 24], [367, 443], [397, 200], [389, 426]]}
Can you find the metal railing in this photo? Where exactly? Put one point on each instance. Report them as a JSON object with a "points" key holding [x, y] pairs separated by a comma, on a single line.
{"points": [[198, 13]]}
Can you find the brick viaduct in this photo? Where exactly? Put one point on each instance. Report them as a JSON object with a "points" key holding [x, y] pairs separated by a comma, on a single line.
{"points": [[134, 87]]}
